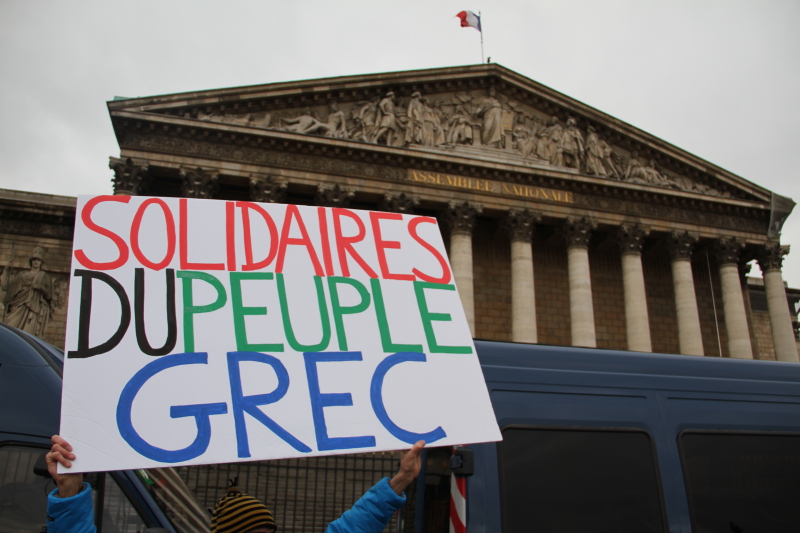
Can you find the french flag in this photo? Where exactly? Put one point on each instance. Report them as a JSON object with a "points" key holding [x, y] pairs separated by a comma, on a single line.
{"points": [[470, 20]]}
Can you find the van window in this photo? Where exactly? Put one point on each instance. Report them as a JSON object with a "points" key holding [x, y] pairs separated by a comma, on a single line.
{"points": [[573, 481], [119, 515], [23, 496], [742, 482]]}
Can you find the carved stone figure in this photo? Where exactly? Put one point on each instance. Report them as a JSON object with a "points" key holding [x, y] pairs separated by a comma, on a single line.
{"points": [[335, 126], [432, 130], [491, 111], [387, 124], [460, 128], [609, 160], [523, 138], [416, 116], [443, 117], [549, 147], [633, 169], [653, 176], [304, 123], [364, 116], [594, 154], [572, 145], [29, 297]]}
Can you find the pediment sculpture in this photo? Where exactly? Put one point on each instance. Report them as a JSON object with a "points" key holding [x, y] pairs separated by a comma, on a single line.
{"points": [[483, 119]]}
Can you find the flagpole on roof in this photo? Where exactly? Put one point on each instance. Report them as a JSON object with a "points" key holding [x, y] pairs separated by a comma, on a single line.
{"points": [[481, 29]]}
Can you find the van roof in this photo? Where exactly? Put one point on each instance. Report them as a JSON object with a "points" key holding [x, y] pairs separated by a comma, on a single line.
{"points": [[30, 387], [521, 356]]}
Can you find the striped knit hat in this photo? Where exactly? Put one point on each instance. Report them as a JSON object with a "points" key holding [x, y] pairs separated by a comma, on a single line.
{"points": [[239, 513]]}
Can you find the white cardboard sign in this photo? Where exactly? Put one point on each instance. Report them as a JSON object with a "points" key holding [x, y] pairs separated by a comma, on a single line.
{"points": [[208, 331]]}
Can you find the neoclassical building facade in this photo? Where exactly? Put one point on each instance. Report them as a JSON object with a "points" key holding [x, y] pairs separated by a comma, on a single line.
{"points": [[565, 225]]}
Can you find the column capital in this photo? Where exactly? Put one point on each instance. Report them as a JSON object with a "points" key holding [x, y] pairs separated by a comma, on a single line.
{"points": [[681, 244], [520, 224], [199, 183], [399, 203], [744, 270], [630, 238], [770, 256], [128, 175], [578, 231], [460, 216], [727, 250], [266, 189], [334, 195]]}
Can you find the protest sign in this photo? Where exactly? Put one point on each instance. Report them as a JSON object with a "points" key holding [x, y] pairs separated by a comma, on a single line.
{"points": [[207, 331]]}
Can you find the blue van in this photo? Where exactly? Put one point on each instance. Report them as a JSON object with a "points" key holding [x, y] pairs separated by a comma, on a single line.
{"points": [[30, 407], [609, 441]]}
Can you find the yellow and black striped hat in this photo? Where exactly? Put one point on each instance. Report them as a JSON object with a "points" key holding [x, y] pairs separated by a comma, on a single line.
{"points": [[239, 513]]}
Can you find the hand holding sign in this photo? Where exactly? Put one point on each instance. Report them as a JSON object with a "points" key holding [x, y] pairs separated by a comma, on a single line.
{"points": [[61, 454], [410, 465], [204, 331]]}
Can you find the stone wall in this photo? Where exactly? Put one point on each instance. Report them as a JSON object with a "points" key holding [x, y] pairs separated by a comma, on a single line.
{"points": [[660, 300], [29, 221], [492, 270]]}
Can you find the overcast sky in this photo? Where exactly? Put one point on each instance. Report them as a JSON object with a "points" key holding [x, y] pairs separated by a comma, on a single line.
{"points": [[720, 79]]}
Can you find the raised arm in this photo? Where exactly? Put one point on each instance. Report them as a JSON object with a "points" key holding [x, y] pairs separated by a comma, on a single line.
{"points": [[372, 512]]}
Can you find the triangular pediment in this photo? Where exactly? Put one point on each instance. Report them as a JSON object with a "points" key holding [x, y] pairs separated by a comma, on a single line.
{"points": [[480, 113]]}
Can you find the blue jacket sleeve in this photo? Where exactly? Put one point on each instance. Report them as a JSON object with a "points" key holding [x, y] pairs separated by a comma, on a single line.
{"points": [[371, 513], [71, 515]]}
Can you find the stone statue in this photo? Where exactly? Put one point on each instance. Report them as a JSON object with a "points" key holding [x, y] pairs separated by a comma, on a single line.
{"points": [[633, 169], [653, 176], [387, 124], [549, 145], [491, 111], [572, 145], [609, 160], [444, 119], [363, 116], [29, 297], [416, 116], [335, 126], [460, 131], [524, 139], [646, 175], [594, 154], [432, 130], [301, 123]]}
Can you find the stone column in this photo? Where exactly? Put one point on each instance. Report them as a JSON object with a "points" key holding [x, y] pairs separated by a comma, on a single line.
{"points": [[727, 251], [399, 203], [520, 225], [780, 320], [637, 321], [461, 219], [690, 337], [128, 175], [199, 183], [334, 195], [578, 232], [266, 189]]}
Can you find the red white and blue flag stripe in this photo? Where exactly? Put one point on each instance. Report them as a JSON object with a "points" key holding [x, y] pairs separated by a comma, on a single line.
{"points": [[470, 20]]}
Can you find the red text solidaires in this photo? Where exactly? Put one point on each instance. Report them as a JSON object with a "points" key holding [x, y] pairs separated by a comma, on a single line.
{"points": [[332, 251]]}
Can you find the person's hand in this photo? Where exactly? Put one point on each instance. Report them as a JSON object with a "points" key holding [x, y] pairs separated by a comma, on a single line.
{"points": [[410, 464], [61, 452]]}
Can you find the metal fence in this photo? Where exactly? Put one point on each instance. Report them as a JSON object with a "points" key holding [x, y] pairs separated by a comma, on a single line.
{"points": [[304, 495]]}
